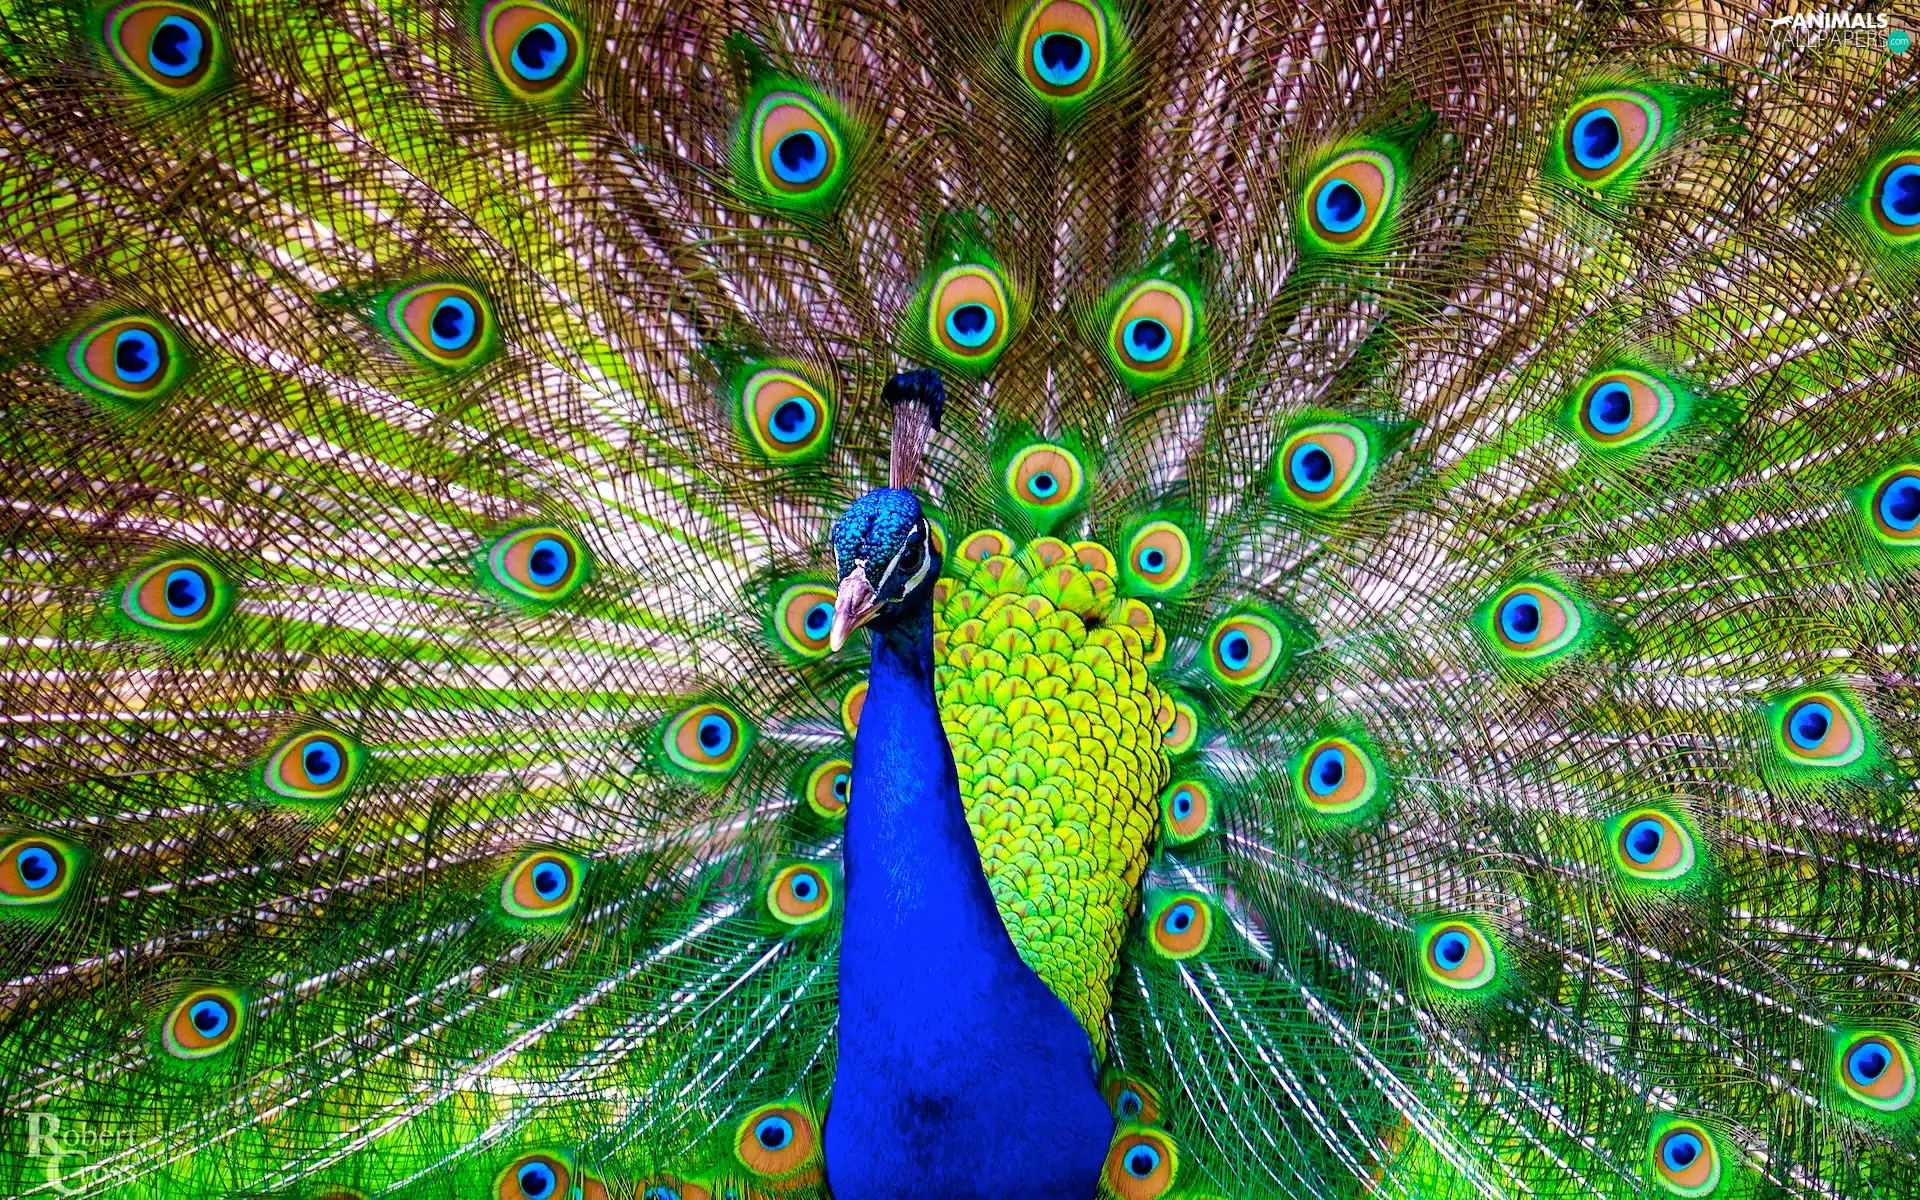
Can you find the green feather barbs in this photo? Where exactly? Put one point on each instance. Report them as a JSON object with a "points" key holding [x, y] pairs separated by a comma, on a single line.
{"points": [[535, 50], [542, 886], [175, 50], [130, 361], [36, 874]]}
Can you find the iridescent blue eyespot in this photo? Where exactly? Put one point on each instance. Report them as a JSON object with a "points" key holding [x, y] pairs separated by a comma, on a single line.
{"points": [[177, 48], [186, 591], [1450, 949], [1146, 340], [1643, 839], [1520, 618], [210, 1018], [540, 52], [536, 1180], [1810, 724], [1183, 805], [819, 620], [1236, 651], [1340, 208], [1680, 1151], [1180, 918], [1153, 560], [1142, 1161], [1311, 468], [1043, 484], [549, 881], [452, 324], [547, 562], [971, 325], [1130, 1104], [1610, 408], [136, 355], [1900, 195], [1868, 1062], [1061, 59], [37, 867], [1328, 771], [1596, 139], [322, 761], [716, 734], [800, 157], [1900, 503], [773, 1132], [804, 887]]}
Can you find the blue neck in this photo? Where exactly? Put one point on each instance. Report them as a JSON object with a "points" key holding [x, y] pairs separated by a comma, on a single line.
{"points": [[959, 1072]]}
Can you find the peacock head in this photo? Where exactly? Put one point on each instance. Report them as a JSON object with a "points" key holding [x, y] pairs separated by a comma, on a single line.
{"points": [[882, 545], [886, 558]]}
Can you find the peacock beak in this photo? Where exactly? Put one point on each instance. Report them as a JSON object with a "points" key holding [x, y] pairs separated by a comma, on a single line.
{"points": [[854, 607]]}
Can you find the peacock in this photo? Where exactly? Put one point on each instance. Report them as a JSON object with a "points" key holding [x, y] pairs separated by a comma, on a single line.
{"points": [[767, 599]]}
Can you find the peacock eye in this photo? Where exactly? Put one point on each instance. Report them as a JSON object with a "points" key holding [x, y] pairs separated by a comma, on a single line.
{"points": [[34, 872], [1874, 1069], [798, 155], [829, 787], [1346, 202], [1063, 49], [543, 884], [776, 1140], [127, 360], [203, 1024], [1140, 1165], [1187, 810], [1685, 1161], [533, 49], [177, 596], [1458, 956], [1243, 650], [534, 1177], [1183, 730], [1151, 331], [985, 544], [968, 315], [1533, 621], [1322, 464], [541, 565], [1336, 776], [799, 895], [1606, 134], [1896, 196], [1894, 507], [445, 325], [707, 739], [170, 47], [1131, 1100], [1159, 558], [787, 418], [315, 766], [1623, 408], [1818, 729], [1044, 478], [1182, 927], [803, 617]]}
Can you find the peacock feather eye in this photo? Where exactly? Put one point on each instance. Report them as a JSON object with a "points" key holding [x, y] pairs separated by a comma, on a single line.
{"points": [[1650, 845], [1532, 621], [1348, 199], [969, 316], [1141, 1164], [538, 1176], [1818, 729], [543, 885], [1064, 49], [1159, 559], [1045, 479], [708, 740], [1684, 1159], [1151, 332], [1873, 1069], [1183, 730], [128, 361], [1893, 197], [801, 894], [1336, 777], [1456, 955], [1186, 808], [1182, 926], [851, 706], [829, 787], [984, 544], [1607, 134], [786, 418], [1243, 649], [318, 765], [1321, 465], [1131, 1100], [446, 325], [176, 596], [35, 873], [203, 1024], [538, 565], [1893, 507], [798, 153], [803, 617], [670, 1188], [535, 50], [1618, 409], [172, 48], [779, 1142]]}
